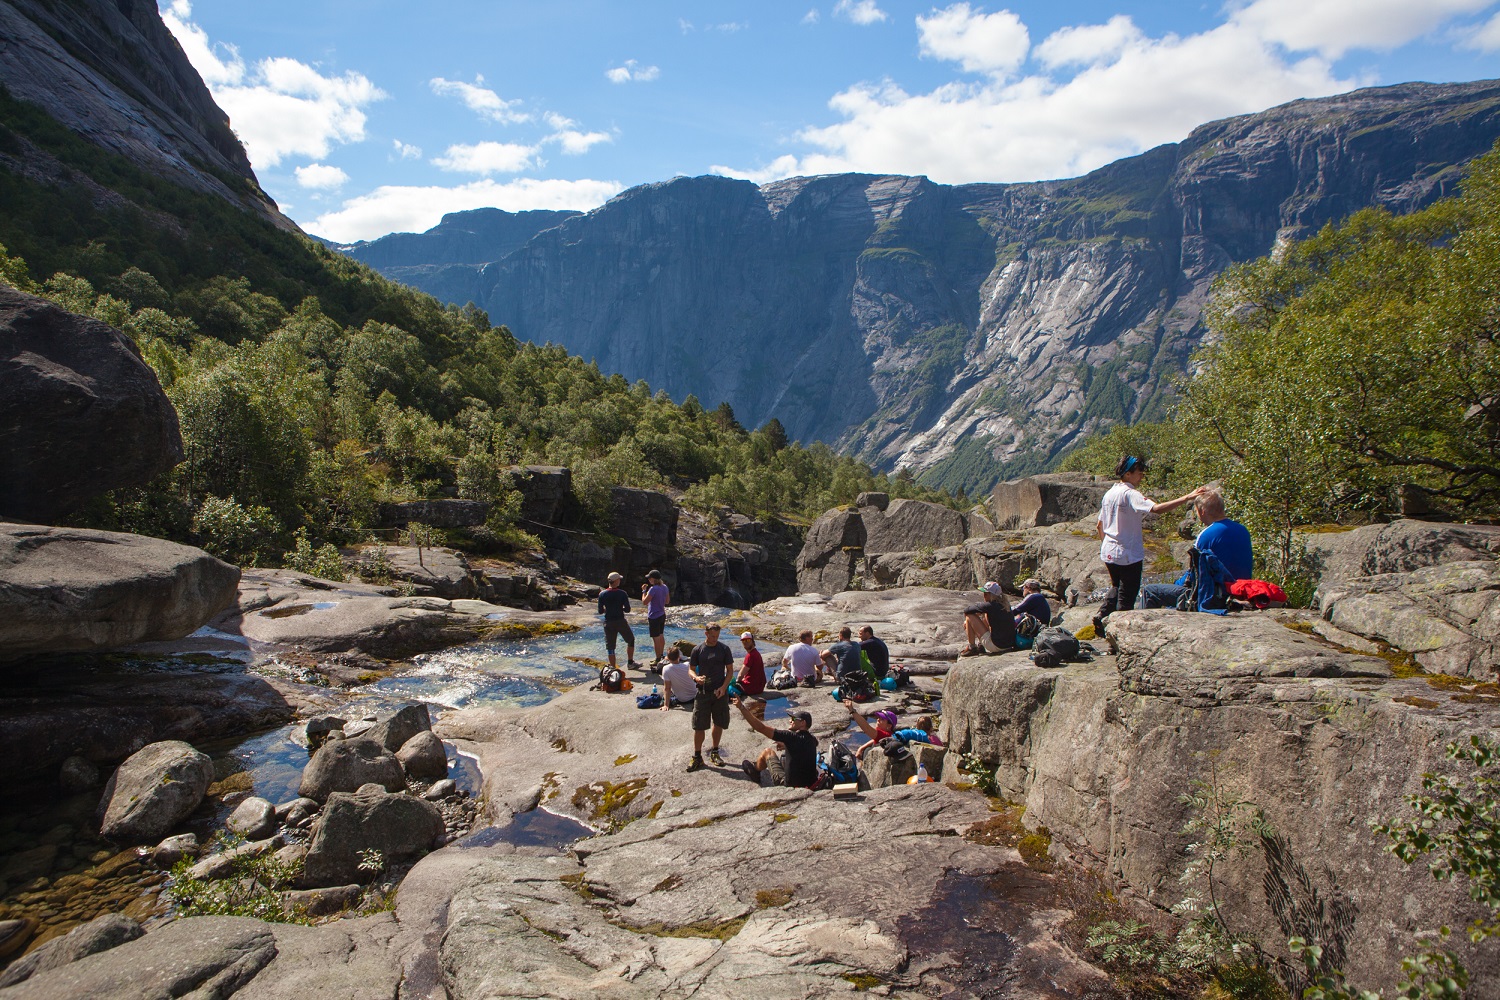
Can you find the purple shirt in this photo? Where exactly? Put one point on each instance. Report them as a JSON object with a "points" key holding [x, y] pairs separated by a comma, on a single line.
{"points": [[656, 601]]}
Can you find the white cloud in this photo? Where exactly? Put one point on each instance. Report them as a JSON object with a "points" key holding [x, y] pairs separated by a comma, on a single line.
{"points": [[811, 17], [1089, 43], [481, 100], [1333, 27], [280, 107], [574, 142], [321, 177], [980, 43], [487, 158], [393, 209], [1485, 38], [859, 11], [632, 71], [777, 169], [406, 150]]}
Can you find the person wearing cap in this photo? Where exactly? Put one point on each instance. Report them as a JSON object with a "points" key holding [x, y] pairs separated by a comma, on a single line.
{"points": [[1122, 538], [1033, 603], [796, 766], [806, 661], [614, 605], [752, 678], [655, 595], [677, 682], [988, 625], [884, 727], [711, 664]]}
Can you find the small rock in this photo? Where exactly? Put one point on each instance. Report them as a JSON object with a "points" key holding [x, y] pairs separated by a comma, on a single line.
{"points": [[393, 731], [222, 864], [291, 854], [99, 934], [14, 934], [423, 756], [441, 790], [174, 849], [296, 811], [322, 902], [253, 819], [345, 765], [319, 728], [156, 788], [78, 775]]}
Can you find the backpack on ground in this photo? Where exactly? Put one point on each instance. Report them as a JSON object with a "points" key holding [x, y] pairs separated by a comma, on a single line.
{"points": [[902, 675], [611, 680], [1055, 642], [855, 685], [1207, 587], [1260, 594], [1028, 627], [839, 764]]}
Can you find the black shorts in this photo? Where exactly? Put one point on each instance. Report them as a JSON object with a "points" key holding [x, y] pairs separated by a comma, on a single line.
{"points": [[657, 626], [613, 630], [708, 709]]}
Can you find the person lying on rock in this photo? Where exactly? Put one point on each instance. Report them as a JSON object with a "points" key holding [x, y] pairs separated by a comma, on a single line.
{"points": [[796, 763], [988, 625], [655, 595], [1122, 539], [711, 665], [677, 683], [614, 605], [1224, 537], [1033, 603], [806, 661], [843, 656]]}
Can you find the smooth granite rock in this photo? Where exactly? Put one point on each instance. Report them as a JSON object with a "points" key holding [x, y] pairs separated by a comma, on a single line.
{"points": [[152, 791], [346, 765], [100, 934], [398, 827]]}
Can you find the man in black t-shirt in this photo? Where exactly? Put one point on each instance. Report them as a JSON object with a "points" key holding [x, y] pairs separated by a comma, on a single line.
{"points": [[876, 649], [614, 603], [711, 666], [798, 766]]}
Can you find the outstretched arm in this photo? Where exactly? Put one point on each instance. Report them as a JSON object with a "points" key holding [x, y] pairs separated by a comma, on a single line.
{"points": [[755, 724], [1169, 505], [859, 720]]}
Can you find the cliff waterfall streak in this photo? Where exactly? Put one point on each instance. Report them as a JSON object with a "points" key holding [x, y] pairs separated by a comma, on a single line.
{"points": [[969, 332]]}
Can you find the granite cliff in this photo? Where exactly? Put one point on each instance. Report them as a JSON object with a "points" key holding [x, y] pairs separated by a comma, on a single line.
{"points": [[965, 332]]}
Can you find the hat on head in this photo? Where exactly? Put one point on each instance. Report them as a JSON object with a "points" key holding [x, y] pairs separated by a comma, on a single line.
{"points": [[747, 635], [887, 716], [655, 574], [615, 578], [991, 587], [804, 717]]}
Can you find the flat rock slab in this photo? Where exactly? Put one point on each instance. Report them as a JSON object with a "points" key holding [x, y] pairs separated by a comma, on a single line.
{"points": [[1213, 659], [68, 590]]}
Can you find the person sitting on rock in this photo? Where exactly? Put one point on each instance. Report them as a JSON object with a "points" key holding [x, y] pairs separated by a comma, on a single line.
{"points": [[843, 656], [678, 688], [614, 605], [1224, 537], [806, 661], [796, 764], [884, 727], [876, 649], [751, 681], [988, 625], [1033, 603]]}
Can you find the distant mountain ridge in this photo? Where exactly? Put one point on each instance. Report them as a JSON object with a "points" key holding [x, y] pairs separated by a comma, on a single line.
{"points": [[967, 332]]}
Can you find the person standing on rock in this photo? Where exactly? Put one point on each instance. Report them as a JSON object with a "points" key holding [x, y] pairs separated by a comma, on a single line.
{"points": [[614, 605], [988, 625], [797, 765], [655, 595], [1123, 547], [806, 661], [711, 664]]}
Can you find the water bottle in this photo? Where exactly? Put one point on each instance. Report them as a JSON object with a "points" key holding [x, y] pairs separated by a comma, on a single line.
{"points": [[653, 688], [922, 774]]}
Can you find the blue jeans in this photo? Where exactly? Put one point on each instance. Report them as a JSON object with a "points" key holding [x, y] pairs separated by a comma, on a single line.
{"points": [[1160, 595]]}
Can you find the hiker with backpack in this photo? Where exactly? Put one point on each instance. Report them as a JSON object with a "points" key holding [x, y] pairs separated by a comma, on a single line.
{"points": [[1121, 534], [796, 766], [1226, 538]]}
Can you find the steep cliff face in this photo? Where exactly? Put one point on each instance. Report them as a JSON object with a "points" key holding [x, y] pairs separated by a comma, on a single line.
{"points": [[970, 331], [112, 72]]}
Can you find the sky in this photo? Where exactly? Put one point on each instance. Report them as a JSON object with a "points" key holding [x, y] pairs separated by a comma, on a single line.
{"points": [[366, 117]]}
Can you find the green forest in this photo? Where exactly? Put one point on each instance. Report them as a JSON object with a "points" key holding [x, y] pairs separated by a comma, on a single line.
{"points": [[310, 389], [1349, 376]]}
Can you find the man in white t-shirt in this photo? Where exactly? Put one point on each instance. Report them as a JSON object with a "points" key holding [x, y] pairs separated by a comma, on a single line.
{"points": [[806, 661], [678, 685], [1123, 546]]}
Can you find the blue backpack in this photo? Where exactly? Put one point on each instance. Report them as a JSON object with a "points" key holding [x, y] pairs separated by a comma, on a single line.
{"points": [[1207, 587], [840, 765]]}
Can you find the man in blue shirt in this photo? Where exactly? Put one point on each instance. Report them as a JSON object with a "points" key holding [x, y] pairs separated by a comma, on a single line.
{"points": [[1226, 538]]}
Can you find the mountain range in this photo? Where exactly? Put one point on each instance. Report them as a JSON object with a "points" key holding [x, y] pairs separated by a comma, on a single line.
{"points": [[968, 333]]}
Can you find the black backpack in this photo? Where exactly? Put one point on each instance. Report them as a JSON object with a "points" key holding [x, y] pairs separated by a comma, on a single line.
{"points": [[856, 686], [840, 765], [1055, 642], [1028, 627], [611, 680]]}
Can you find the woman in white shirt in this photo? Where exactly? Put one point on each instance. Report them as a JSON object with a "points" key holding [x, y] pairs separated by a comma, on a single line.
{"points": [[1124, 545]]}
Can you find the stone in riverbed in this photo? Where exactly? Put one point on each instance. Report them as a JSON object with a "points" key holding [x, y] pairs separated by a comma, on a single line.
{"points": [[174, 849], [392, 731], [222, 865], [78, 775], [318, 729], [322, 902], [424, 756], [297, 811], [345, 765], [441, 790], [398, 827], [99, 934], [155, 788], [253, 819]]}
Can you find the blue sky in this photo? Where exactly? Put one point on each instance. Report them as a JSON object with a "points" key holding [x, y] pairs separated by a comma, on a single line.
{"points": [[364, 117]]}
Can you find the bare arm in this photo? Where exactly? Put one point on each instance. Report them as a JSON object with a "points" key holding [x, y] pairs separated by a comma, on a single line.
{"points": [[1169, 505], [755, 724], [859, 720]]}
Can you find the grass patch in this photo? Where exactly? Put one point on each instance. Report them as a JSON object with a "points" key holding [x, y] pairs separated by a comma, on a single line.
{"points": [[779, 896], [527, 630], [624, 759], [1086, 634], [578, 882], [862, 981], [720, 931], [604, 799], [1467, 685], [1034, 849], [1416, 702], [784, 817]]}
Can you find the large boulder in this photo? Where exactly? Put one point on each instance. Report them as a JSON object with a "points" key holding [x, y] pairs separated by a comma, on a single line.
{"points": [[432, 570], [913, 525], [1054, 498], [399, 827], [253, 818], [1398, 547], [1447, 616], [546, 492], [395, 729], [424, 756], [79, 590], [647, 521], [80, 412], [100, 934], [834, 545], [347, 765], [152, 791]]}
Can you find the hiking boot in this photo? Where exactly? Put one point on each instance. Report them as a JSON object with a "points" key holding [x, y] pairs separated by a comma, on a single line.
{"points": [[751, 771], [696, 765], [714, 758], [1099, 628], [971, 651]]}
